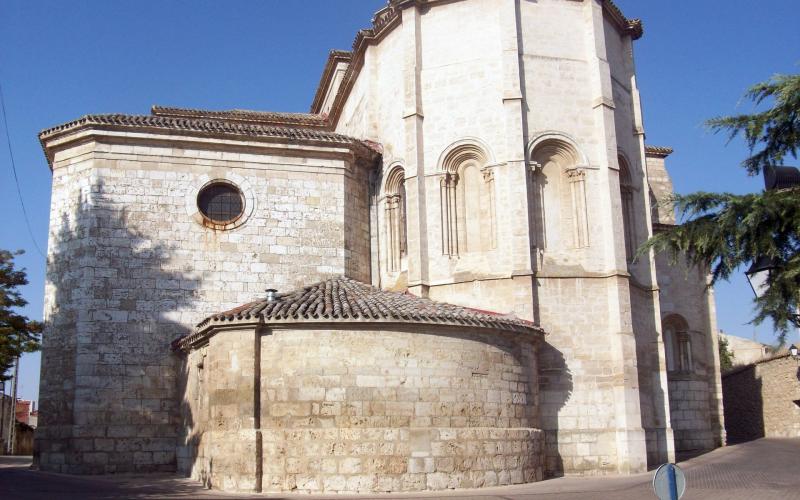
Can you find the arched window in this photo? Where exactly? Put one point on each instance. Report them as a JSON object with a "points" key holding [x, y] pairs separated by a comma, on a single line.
{"points": [[677, 345], [395, 219], [628, 214], [559, 186], [467, 202]]}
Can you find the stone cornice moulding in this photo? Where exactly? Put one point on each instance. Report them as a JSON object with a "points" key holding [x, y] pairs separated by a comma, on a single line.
{"points": [[335, 57]]}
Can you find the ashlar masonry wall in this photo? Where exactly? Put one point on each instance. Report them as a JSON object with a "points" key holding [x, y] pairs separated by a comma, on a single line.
{"points": [[131, 267], [372, 408], [695, 395], [761, 400]]}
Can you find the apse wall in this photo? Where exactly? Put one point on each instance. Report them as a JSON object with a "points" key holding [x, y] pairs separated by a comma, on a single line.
{"points": [[394, 408]]}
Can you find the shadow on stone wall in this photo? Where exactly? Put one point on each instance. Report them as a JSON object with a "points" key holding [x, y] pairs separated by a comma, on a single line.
{"points": [[653, 395], [743, 405], [555, 380], [108, 385]]}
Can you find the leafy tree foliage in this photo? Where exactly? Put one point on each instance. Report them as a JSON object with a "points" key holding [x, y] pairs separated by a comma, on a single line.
{"points": [[725, 355], [18, 334], [726, 232]]}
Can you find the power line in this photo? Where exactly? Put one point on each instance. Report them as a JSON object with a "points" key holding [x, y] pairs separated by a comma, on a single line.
{"points": [[16, 179]]}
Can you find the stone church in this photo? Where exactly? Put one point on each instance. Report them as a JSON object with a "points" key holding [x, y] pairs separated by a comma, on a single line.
{"points": [[428, 281]]}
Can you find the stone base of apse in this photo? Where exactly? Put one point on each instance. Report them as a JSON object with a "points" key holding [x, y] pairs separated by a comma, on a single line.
{"points": [[362, 460]]}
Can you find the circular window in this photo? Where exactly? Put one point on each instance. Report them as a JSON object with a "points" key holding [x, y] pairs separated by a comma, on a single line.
{"points": [[220, 203]]}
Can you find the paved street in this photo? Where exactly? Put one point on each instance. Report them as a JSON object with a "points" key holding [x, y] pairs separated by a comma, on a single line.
{"points": [[760, 470]]}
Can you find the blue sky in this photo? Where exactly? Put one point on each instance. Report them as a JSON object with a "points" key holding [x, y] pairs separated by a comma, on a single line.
{"points": [[60, 60]]}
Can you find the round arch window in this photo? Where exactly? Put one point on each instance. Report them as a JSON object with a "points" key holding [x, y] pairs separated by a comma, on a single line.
{"points": [[220, 202]]}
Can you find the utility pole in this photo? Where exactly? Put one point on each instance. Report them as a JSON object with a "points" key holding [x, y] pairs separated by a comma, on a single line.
{"points": [[13, 413], [3, 415]]}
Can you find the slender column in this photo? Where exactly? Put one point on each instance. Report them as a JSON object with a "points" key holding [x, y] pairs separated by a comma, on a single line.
{"points": [[488, 178], [515, 186], [413, 118], [580, 226]]}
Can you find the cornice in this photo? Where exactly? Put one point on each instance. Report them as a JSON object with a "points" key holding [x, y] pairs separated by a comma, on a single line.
{"points": [[334, 58]]}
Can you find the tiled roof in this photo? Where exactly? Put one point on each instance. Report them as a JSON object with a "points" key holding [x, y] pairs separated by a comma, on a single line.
{"points": [[246, 116], [202, 126], [346, 300], [215, 126], [662, 151], [632, 27]]}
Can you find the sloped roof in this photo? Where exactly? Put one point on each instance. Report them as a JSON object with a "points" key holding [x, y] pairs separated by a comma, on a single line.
{"points": [[246, 116], [201, 125], [344, 300], [662, 151]]}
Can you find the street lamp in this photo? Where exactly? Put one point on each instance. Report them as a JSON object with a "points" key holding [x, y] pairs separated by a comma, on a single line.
{"points": [[793, 350], [758, 274], [776, 177], [781, 177]]}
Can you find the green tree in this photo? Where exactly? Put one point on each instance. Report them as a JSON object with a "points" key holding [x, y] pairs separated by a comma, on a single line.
{"points": [[726, 232], [725, 355], [18, 334]]}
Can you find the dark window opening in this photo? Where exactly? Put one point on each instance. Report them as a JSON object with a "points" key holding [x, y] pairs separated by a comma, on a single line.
{"points": [[221, 203]]}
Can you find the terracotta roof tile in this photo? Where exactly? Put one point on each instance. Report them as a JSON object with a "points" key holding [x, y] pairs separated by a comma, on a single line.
{"points": [[662, 151], [246, 116], [346, 300], [203, 126], [198, 125]]}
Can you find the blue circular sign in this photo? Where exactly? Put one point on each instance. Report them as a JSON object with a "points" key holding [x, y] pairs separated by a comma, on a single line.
{"points": [[669, 483]]}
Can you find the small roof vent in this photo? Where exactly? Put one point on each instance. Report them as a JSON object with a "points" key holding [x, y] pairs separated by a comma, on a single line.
{"points": [[272, 295]]}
